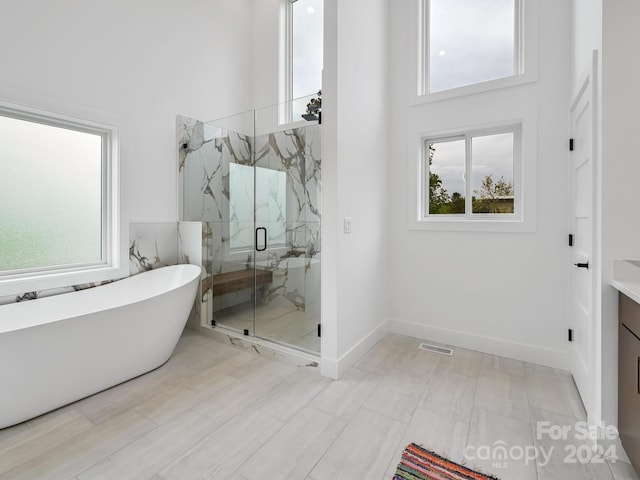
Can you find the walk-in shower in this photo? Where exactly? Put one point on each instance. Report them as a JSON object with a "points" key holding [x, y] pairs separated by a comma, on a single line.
{"points": [[254, 182]]}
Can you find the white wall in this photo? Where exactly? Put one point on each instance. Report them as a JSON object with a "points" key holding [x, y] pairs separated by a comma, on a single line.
{"points": [[587, 35], [620, 172], [142, 62], [355, 282], [264, 56], [502, 293]]}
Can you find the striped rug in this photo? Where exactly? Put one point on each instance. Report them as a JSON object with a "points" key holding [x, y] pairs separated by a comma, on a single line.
{"points": [[420, 464]]}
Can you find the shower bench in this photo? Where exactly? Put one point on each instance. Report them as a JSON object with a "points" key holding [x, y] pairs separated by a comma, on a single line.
{"points": [[237, 280]]}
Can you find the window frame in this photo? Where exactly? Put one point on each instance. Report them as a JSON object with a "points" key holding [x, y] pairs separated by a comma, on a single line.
{"points": [[526, 177], [468, 136], [114, 256], [525, 46], [286, 101], [285, 63]]}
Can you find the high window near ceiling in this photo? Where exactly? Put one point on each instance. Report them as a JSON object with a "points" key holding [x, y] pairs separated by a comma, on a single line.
{"points": [[469, 45], [301, 53]]}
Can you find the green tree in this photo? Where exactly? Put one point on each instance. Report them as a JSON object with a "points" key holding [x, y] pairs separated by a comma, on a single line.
{"points": [[457, 204], [493, 197], [438, 196]]}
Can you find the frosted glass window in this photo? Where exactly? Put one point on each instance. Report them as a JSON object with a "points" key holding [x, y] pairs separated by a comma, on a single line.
{"points": [[271, 205], [471, 42], [269, 210], [241, 206], [51, 196]]}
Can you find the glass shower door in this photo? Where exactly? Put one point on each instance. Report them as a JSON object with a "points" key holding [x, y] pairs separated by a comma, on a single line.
{"points": [[287, 182], [232, 233], [254, 183]]}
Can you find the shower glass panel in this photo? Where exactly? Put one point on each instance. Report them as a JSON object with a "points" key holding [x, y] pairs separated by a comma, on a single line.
{"points": [[255, 184], [218, 190], [288, 207]]}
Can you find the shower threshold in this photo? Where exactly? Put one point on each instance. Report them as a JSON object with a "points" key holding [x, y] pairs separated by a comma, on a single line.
{"points": [[262, 346]]}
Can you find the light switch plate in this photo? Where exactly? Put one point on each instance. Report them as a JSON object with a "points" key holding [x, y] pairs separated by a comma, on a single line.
{"points": [[347, 225]]}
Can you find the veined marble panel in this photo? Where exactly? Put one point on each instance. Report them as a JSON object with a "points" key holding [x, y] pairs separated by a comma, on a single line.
{"points": [[190, 251], [313, 163], [152, 245], [282, 194]]}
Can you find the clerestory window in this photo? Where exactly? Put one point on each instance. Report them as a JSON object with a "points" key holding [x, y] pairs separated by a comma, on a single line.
{"points": [[465, 46], [301, 55]]}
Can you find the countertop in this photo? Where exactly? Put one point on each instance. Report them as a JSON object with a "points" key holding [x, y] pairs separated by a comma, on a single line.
{"points": [[625, 278]]}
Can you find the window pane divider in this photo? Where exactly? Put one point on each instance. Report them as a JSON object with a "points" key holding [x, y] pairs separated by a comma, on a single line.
{"points": [[467, 176]]}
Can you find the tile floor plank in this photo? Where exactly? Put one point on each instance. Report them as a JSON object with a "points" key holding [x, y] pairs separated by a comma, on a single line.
{"points": [[623, 471], [343, 398], [450, 395], [50, 431], [572, 456], [288, 454], [71, 457], [489, 435], [362, 450], [220, 453], [396, 396], [217, 411], [150, 453], [503, 393]]}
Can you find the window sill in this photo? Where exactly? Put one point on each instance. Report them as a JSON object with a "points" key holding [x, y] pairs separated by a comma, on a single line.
{"points": [[472, 225], [476, 88], [33, 282]]}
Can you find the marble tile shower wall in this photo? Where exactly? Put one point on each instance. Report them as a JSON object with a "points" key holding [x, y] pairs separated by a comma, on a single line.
{"points": [[151, 245], [291, 215]]}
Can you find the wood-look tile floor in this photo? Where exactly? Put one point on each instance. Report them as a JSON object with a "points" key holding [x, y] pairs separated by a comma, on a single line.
{"points": [[214, 411], [279, 323]]}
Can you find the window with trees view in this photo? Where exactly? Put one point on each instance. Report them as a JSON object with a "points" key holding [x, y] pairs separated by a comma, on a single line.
{"points": [[472, 174]]}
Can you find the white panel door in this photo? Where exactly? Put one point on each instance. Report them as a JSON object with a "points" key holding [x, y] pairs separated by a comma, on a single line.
{"points": [[583, 231]]}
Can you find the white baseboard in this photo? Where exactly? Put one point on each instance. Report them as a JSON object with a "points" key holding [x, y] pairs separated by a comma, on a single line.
{"points": [[335, 368], [495, 346]]}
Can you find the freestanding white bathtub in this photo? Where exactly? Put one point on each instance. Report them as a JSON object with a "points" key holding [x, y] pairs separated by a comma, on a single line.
{"points": [[59, 349]]}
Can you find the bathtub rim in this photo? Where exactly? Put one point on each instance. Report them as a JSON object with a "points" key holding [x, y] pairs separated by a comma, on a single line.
{"points": [[35, 310]]}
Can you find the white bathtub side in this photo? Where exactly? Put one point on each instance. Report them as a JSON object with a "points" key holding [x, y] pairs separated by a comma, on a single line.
{"points": [[52, 364]]}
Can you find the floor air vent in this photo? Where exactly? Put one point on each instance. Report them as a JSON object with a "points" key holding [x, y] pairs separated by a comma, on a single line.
{"points": [[436, 349]]}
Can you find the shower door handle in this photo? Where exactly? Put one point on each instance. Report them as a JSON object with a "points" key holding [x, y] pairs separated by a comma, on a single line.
{"points": [[258, 249]]}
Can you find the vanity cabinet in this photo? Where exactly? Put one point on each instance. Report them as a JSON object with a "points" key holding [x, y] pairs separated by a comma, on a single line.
{"points": [[629, 378]]}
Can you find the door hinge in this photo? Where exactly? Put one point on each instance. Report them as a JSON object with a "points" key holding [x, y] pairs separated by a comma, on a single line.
{"points": [[319, 330], [570, 335], [571, 240], [571, 144]]}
